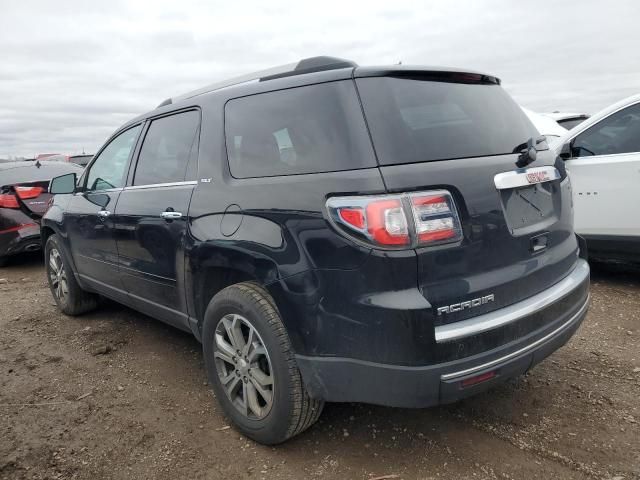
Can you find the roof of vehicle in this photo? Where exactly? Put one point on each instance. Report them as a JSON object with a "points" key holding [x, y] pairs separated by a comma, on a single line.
{"points": [[596, 117], [315, 65], [308, 71]]}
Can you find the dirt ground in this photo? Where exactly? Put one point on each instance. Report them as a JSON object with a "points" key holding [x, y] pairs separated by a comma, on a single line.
{"points": [[115, 394]]}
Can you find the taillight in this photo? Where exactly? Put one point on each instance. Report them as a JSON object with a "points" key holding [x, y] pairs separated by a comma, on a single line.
{"points": [[383, 220], [435, 217], [28, 192], [386, 222], [8, 200]]}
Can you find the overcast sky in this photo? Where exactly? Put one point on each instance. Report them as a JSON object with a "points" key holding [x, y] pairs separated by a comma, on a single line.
{"points": [[73, 71]]}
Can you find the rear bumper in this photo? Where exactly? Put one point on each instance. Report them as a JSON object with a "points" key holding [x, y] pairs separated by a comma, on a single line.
{"points": [[338, 379], [18, 240]]}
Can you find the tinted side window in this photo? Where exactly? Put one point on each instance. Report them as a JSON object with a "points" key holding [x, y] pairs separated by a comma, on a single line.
{"points": [[311, 129], [108, 170], [169, 146], [618, 133]]}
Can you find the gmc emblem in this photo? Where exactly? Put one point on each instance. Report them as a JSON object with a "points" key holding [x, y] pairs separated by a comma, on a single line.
{"points": [[537, 177]]}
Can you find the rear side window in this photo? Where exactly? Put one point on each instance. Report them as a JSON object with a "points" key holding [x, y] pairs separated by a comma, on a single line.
{"points": [[417, 120], [310, 129], [169, 150]]}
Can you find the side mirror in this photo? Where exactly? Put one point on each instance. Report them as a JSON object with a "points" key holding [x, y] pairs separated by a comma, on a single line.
{"points": [[63, 184], [565, 151]]}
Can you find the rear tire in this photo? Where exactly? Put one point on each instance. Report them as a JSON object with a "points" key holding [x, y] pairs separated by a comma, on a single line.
{"points": [[251, 366], [70, 298]]}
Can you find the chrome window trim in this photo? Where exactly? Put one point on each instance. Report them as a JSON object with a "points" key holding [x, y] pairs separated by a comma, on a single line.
{"points": [[513, 313], [522, 351], [104, 190], [525, 177], [159, 185]]}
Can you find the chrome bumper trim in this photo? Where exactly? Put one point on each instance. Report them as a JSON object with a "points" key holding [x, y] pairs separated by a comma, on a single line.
{"points": [[512, 313], [521, 351]]}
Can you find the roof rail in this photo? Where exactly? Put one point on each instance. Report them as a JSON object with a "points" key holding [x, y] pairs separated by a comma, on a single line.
{"points": [[307, 65]]}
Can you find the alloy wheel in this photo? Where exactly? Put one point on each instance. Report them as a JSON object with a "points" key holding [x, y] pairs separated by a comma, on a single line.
{"points": [[243, 366], [58, 275]]}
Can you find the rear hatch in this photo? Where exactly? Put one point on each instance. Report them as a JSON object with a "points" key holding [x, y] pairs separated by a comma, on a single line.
{"points": [[460, 132]]}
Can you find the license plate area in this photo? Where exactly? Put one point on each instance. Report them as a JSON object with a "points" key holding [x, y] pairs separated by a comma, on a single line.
{"points": [[530, 208]]}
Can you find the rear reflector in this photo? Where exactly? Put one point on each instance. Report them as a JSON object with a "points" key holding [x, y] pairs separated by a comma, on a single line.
{"points": [[478, 379], [352, 216], [383, 220]]}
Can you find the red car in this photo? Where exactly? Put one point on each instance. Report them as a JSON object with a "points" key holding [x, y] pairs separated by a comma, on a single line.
{"points": [[24, 198]]}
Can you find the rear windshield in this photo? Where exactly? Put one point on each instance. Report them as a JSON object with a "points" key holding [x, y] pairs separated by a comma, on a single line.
{"points": [[414, 120], [310, 129], [571, 122]]}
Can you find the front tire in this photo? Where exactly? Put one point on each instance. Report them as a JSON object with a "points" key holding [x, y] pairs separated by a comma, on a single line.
{"points": [[69, 297], [252, 368]]}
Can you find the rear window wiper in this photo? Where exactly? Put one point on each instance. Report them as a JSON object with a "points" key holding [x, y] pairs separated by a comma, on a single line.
{"points": [[529, 150]]}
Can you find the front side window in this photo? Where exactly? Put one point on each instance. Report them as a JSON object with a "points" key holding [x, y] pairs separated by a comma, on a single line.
{"points": [[169, 148], [310, 129], [618, 133], [109, 169]]}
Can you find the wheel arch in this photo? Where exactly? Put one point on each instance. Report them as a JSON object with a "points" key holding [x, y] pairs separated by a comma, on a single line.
{"points": [[47, 229], [211, 280], [45, 232]]}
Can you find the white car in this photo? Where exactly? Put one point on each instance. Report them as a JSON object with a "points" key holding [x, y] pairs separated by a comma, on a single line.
{"points": [[602, 155], [545, 125]]}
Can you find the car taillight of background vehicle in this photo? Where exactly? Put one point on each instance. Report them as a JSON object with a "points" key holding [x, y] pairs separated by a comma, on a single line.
{"points": [[396, 221], [9, 199]]}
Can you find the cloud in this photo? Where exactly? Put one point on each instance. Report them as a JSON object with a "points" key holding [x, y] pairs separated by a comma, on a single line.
{"points": [[73, 71]]}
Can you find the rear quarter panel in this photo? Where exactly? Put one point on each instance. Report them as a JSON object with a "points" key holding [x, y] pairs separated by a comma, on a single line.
{"points": [[267, 228]]}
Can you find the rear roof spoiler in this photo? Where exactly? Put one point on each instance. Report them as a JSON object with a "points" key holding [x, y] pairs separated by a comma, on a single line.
{"points": [[441, 74]]}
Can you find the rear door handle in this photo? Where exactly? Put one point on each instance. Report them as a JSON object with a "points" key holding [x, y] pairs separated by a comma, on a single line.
{"points": [[104, 213], [171, 215]]}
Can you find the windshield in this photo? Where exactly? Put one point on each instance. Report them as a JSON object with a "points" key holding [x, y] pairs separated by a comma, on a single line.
{"points": [[414, 120]]}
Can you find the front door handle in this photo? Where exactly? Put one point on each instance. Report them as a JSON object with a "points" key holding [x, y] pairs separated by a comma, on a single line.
{"points": [[171, 215], [104, 214]]}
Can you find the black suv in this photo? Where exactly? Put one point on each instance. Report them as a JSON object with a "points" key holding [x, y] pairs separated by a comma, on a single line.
{"points": [[391, 235]]}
